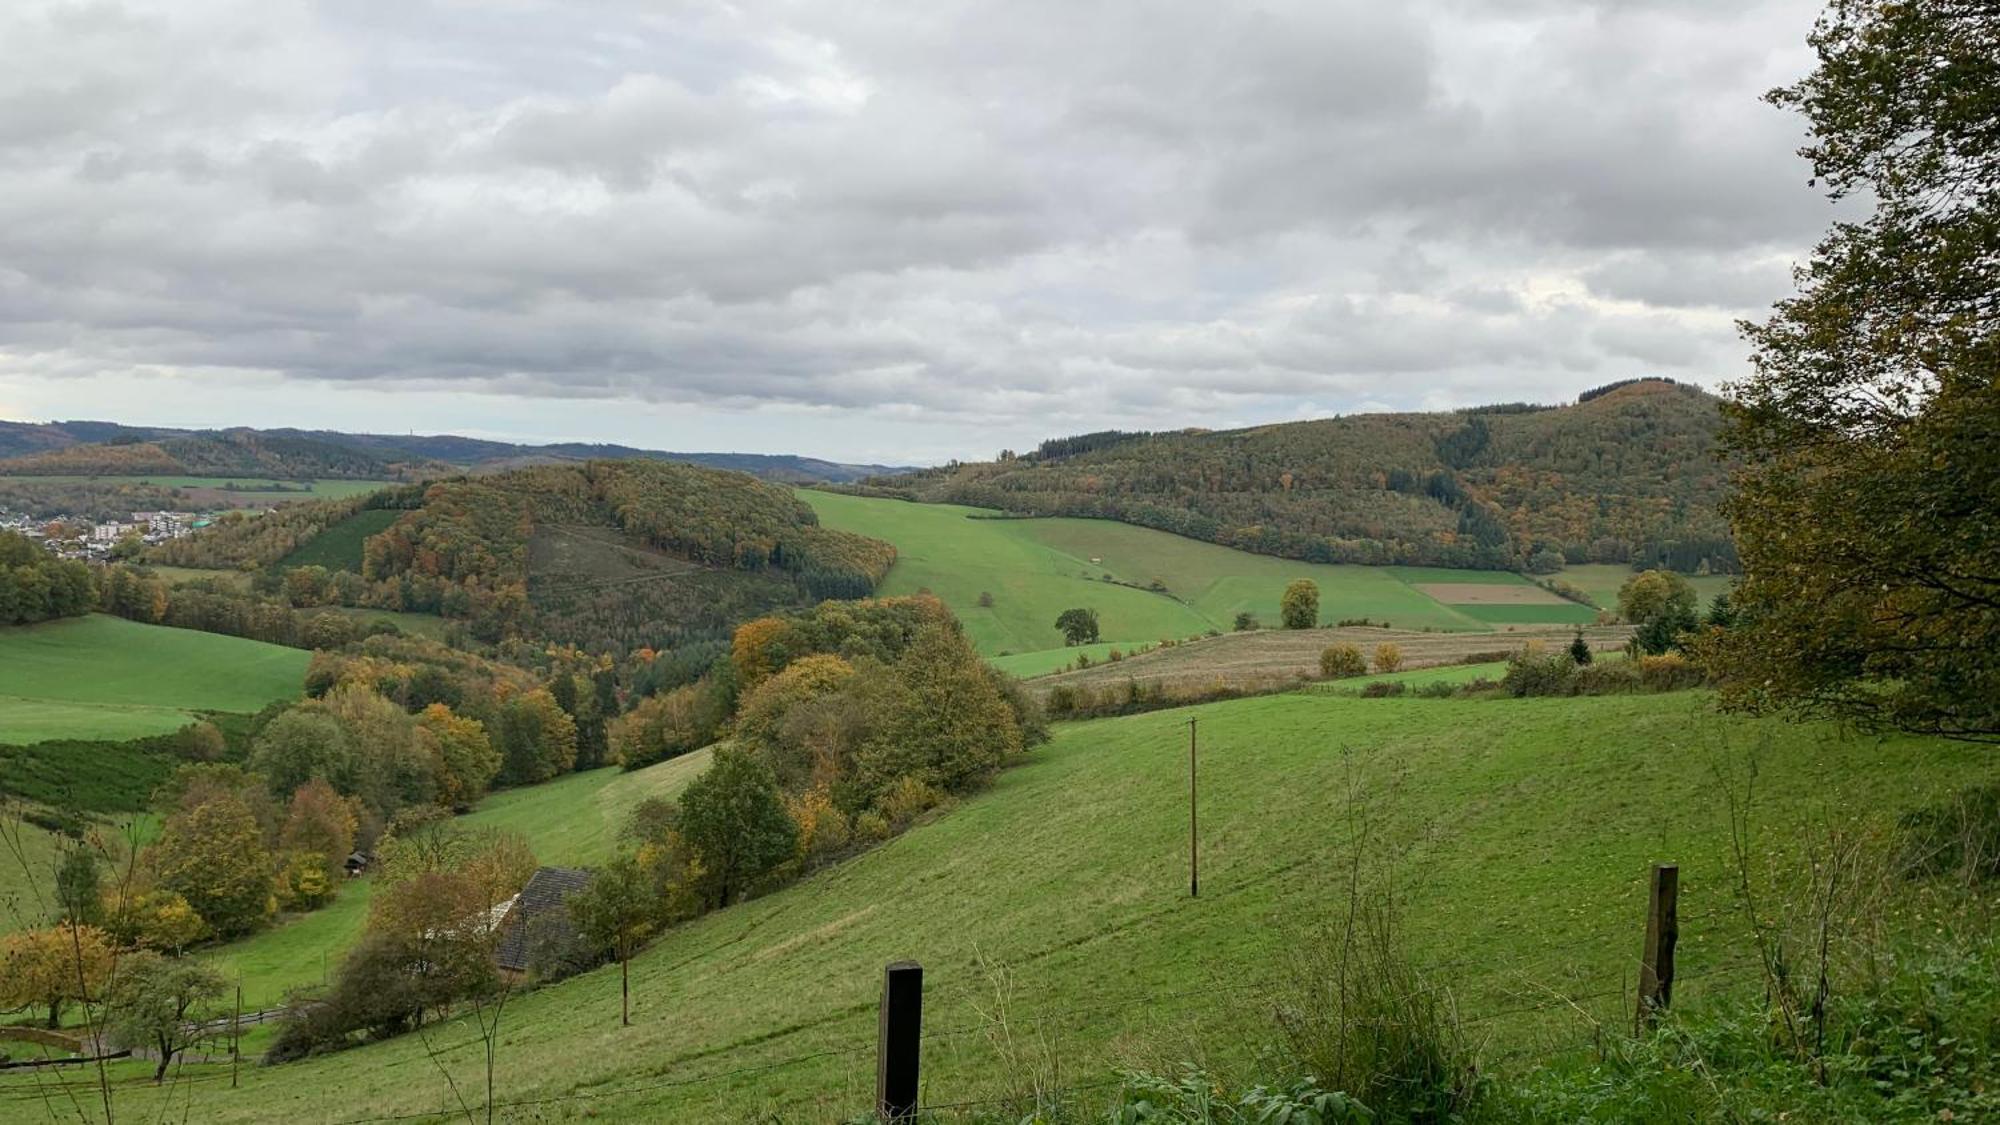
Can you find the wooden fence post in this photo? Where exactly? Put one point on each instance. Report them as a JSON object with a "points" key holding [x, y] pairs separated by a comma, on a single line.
{"points": [[900, 1037], [1663, 929]]}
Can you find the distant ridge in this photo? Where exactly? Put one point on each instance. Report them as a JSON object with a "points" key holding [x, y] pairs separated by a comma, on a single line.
{"points": [[96, 448], [1630, 473]]}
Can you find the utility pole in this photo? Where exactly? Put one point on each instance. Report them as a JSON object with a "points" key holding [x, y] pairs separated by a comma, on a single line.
{"points": [[1194, 839]]}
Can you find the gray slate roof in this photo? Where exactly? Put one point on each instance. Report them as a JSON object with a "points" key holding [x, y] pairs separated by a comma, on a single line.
{"points": [[547, 890]]}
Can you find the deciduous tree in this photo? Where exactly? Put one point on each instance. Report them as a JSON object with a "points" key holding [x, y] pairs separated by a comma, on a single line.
{"points": [[617, 910], [1299, 608], [157, 1002], [735, 823], [1078, 626]]}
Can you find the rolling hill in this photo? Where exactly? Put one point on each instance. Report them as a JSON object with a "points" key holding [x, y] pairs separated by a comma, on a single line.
{"points": [[1628, 474], [1145, 585], [1052, 918], [108, 449]]}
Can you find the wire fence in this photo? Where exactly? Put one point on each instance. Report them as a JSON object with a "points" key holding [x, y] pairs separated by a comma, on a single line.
{"points": [[1535, 988]]}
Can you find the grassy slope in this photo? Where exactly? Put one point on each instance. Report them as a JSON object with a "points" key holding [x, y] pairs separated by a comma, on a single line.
{"points": [[101, 676], [1035, 569], [571, 822], [1527, 844], [339, 546], [957, 559]]}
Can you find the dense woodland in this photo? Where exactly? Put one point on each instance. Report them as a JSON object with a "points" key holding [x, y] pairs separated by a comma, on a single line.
{"points": [[37, 586], [610, 555], [1628, 475], [224, 453]]}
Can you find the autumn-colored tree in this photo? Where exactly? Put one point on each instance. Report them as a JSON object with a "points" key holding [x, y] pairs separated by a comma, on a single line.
{"points": [[761, 725], [1299, 607], [668, 725], [1867, 509], [322, 822], [161, 920], [1388, 658], [1662, 604], [213, 855], [462, 756], [156, 1002], [1340, 661], [616, 911], [757, 650], [942, 721], [53, 968], [537, 741]]}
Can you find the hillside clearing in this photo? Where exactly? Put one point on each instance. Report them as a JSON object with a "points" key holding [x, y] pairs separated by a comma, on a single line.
{"points": [[339, 546], [1069, 880]]}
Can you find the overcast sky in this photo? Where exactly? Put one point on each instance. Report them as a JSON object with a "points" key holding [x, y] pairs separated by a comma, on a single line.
{"points": [[892, 232]]}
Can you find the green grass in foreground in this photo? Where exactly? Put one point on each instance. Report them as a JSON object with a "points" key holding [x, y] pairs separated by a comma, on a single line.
{"points": [[570, 822], [339, 546], [105, 677], [1525, 829]]}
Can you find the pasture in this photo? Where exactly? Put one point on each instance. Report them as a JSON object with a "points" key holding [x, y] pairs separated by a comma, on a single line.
{"points": [[1602, 580], [105, 677], [1052, 917]]}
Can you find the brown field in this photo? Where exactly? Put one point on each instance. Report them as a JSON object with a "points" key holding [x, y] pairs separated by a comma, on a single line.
{"points": [[1487, 593], [1268, 656]]}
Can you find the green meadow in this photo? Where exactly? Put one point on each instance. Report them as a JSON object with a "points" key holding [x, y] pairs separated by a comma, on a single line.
{"points": [[1051, 913], [1602, 580], [105, 677], [1036, 568]]}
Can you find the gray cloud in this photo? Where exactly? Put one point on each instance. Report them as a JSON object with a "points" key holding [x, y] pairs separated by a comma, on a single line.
{"points": [[1036, 213]]}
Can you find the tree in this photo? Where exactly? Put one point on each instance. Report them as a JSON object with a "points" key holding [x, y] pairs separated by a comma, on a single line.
{"points": [[1388, 658], [735, 823], [53, 968], [79, 892], [320, 822], [1078, 626], [462, 756], [616, 910], [1662, 604], [1579, 650], [303, 744], [943, 721], [537, 739], [669, 724], [1867, 507], [1299, 608], [1340, 661], [213, 856], [155, 1001], [1545, 561], [1245, 621]]}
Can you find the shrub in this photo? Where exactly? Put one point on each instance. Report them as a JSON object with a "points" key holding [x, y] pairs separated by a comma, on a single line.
{"points": [[1383, 688], [1388, 658], [985, 600], [1062, 700], [1579, 650], [1539, 673], [1340, 661], [1669, 672], [1607, 679], [1440, 689], [906, 800], [1245, 622]]}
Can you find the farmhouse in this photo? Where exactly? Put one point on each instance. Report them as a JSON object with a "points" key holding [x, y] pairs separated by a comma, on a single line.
{"points": [[538, 911]]}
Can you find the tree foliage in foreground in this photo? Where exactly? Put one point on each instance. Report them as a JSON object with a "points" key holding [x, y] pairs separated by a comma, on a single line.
{"points": [[1867, 510]]}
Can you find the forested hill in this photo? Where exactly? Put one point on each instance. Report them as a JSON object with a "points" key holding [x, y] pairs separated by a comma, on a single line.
{"points": [[609, 555], [111, 449], [1628, 474]]}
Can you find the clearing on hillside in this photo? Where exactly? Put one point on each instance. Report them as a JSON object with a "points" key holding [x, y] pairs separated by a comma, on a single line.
{"points": [[1514, 821], [92, 677], [339, 546]]}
